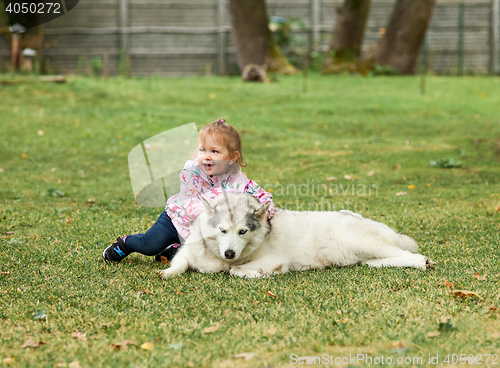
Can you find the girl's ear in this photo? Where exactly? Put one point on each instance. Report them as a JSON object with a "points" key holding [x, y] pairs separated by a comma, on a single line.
{"points": [[235, 156]]}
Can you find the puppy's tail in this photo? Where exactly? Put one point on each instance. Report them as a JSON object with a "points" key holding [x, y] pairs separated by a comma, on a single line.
{"points": [[407, 243]]}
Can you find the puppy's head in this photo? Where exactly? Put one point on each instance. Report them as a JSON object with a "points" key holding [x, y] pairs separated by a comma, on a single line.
{"points": [[234, 226]]}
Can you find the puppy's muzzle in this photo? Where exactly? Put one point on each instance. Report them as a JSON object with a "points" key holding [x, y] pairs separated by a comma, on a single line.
{"points": [[229, 254]]}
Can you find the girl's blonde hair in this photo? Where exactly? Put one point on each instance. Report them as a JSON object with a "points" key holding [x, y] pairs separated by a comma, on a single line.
{"points": [[224, 133]]}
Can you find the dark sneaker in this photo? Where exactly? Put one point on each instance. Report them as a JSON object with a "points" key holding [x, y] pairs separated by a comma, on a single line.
{"points": [[168, 253], [116, 251]]}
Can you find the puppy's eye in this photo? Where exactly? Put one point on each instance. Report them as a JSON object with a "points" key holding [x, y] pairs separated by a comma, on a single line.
{"points": [[242, 231], [222, 230]]}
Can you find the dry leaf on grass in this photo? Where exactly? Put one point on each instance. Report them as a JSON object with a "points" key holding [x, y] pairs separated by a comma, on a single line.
{"points": [[79, 335], [497, 208], [479, 277], [8, 361], [330, 178], [164, 260], [123, 344], [61, 365], [145, 292], [400, 193], [398, 344], [494, 336], [214, 328], [448, 284], [146, 346], [371, 173], [349, 177], [32, 344], [412, 186], [464, 294], [270, 294], [271, 331], [5, 273], [75, 364], [246, 356], [433, 334]]}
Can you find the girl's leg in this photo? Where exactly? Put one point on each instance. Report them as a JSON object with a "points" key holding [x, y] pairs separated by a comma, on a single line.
{"points": [[158, 238]]}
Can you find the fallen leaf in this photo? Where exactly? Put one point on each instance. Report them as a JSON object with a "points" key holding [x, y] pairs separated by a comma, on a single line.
{"points": [[9, 232], [214, 328], [271, 331], [61, 365], [428, 185], [433, 334], [24, 155], [246, 356], [40, 132], [68, 220], [398, 344], [464, 294], [400, 193], [493, 309], [270, 294], [497, 208], [479, 277], [330, 178], [412, 186], [75, 364], [8, 361], [255, 302], [79, 335], [164, 260], [349, 177], [32, 344], [371, 173], [145, 292], [5, 273], [146, 346], [494, 336], [448, 284], [123, 344]]}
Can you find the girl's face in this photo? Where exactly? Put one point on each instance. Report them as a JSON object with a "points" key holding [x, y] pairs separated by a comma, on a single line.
{"points": [[214, 157]]}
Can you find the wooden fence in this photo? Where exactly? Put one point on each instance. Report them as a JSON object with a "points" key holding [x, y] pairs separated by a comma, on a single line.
{"points": [[189, 37]]}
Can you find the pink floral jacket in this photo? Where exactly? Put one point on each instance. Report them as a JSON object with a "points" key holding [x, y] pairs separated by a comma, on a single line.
{"points": [[184, 207]]}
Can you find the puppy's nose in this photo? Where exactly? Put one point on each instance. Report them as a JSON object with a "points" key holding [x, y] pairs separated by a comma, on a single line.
{"points": [[229, 254]]}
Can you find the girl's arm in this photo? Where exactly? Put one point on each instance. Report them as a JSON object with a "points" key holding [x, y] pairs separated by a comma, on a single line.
{"points": [[254, 189]]}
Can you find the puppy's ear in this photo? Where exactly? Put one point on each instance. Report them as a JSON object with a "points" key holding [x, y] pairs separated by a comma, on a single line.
{"points": [[261, 212], [209, 210]]}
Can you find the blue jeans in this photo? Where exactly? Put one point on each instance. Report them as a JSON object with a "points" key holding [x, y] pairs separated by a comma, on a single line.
{"points": [[160, 237]]}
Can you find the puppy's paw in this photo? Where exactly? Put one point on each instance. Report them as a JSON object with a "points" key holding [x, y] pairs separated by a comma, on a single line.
{"points": [[168, 273], [243, 272], [429, 264]]}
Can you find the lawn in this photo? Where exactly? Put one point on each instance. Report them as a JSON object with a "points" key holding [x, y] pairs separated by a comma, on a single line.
{"points": [[65, 195]]}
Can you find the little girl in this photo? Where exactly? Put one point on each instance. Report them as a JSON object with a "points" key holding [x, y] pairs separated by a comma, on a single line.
{"points": [[216, 167]]}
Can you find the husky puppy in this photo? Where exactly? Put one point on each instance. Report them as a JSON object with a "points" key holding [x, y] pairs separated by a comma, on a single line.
{"points": [[232, 235]]}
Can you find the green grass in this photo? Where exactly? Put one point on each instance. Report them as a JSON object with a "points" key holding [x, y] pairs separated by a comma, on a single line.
{"points": [[51, 246]]}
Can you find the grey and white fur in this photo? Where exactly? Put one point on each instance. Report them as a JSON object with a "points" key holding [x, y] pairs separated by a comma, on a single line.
{"points": [[232, 235]]}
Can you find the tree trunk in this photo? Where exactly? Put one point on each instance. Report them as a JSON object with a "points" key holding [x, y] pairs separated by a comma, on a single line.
{"points": [[349, 29], [400, 46], [252, 38]]}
